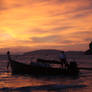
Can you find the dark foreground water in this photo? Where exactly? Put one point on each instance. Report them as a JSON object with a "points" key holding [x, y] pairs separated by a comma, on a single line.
{"points": [[16, 83]]}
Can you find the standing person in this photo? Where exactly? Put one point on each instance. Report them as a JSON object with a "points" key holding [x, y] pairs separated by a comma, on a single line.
{"points": [[63, 60]]}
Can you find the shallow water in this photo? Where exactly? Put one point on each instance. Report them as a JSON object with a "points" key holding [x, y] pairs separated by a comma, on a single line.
{"points": [[17, 83]]}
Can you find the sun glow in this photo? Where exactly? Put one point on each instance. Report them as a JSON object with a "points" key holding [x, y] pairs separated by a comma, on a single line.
{"points": [[49, 24]]}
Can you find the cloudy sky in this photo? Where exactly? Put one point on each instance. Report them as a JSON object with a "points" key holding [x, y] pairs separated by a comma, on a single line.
{"points": [[45, 24]]}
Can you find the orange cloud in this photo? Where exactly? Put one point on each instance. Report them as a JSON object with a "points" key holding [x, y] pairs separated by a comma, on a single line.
{"points": [[50, 23]]}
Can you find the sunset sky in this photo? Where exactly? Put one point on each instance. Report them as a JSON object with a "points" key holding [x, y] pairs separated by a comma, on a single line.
{"points": [[45, 24]]}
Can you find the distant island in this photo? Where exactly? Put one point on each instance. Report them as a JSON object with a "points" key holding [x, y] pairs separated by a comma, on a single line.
{"points": [[50, 51], [43, 53]]}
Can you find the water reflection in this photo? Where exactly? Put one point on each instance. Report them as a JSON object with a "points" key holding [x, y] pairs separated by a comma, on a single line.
{"points": [[17, 83], [14, 81], [46, 88]]}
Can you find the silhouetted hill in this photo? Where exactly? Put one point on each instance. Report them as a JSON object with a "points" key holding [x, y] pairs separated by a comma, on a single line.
{"points": [[51, 51], [46, 51]]}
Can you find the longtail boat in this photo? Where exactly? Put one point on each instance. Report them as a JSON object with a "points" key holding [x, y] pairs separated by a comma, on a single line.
{"points": [[41, 67]]}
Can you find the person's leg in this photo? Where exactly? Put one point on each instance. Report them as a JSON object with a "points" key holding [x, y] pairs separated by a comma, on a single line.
{"points": [[61, 63], [66, 65]]}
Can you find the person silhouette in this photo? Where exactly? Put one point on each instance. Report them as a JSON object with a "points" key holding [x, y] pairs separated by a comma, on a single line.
{"points": [[63, 60]]}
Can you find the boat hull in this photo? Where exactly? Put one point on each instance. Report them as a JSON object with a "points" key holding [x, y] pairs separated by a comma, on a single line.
{"points": [[21, 68]]}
